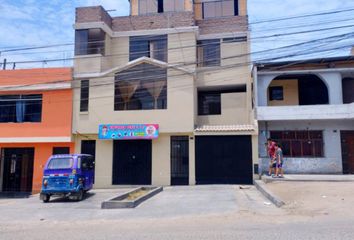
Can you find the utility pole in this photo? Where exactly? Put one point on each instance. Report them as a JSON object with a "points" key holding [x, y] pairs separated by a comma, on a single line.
{"points": [[4, 64]]}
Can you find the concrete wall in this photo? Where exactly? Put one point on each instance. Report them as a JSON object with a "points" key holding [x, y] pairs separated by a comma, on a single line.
{"points": [[333, 81], [290, 93], [161, 160], [233, 111], [178, 117], [332, 160]]}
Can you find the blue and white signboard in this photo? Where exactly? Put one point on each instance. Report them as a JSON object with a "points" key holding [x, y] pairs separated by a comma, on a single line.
{"points": [[128, 131]]}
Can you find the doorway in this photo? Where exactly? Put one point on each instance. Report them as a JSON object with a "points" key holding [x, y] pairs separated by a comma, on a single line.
{"points": [[179, 160], [132, 162], [18, 169], [347, 142]]}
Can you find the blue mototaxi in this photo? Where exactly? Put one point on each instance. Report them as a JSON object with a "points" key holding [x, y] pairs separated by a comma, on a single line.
{"points": [[67, 175]]}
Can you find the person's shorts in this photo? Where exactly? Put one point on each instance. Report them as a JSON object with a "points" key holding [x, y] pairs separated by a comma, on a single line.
{"points": [[280, 165]]}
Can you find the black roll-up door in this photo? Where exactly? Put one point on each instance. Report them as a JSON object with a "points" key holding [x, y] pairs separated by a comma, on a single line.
{"points": [[223, 160]]}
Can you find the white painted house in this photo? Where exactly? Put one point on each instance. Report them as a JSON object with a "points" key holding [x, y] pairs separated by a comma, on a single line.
{"points": [[308, 107]]}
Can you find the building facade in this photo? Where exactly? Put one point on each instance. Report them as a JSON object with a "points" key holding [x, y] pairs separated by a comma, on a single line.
{"points": [[308, 107], [35, 122], [163, 96]]}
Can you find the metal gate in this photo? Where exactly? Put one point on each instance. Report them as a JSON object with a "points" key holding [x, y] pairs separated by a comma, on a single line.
{"points": [[179, 160], [132, 162], [347, 140], [223, 160]]}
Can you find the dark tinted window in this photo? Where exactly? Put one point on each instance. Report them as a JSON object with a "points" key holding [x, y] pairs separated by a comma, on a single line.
{"points": [[61, 150], [276, 93], [89, 41], [209, 53], [149, 46], [209, 103], [21, 108], [84, 95]]}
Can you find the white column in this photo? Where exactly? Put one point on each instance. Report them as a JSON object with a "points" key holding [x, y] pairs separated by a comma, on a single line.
{"points": [[334, 86]]}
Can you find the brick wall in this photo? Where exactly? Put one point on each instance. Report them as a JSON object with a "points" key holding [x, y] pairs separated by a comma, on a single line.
{"points": [[153, 21], [223, 25], [92, 14]]}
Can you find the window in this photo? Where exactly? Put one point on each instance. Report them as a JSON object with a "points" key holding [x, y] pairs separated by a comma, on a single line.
{"points": [[276, 93], [209, 102], [173, 5], [147, 6], [220, 8], [89, 41], [87, 163], [60, 163], [148, 46], [84, 95], [160, 6], [234, 39], [141, 87], [208, 53], [300, 143], [61, 150], [21, 108]]}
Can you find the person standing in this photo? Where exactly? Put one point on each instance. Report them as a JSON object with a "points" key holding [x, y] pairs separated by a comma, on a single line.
{"points": [[279, 172], [271, 154]]}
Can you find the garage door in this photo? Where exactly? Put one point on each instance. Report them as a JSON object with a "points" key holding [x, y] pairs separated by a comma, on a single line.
{"points": [[223, 160]]}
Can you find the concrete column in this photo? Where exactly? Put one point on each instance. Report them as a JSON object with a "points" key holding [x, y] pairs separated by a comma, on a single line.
{"points": [[161, 161], [192, 179], [334, 85], [104, 163], [263, 83]]}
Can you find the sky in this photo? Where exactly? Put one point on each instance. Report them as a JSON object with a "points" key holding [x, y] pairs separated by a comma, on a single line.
{"points": [[28, 23]]}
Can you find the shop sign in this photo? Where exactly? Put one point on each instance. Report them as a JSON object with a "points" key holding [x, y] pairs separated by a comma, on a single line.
{"points": [[128, 131]]}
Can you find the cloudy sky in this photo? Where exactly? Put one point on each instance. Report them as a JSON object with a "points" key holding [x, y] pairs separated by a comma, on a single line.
{"points": [[27, 23]]}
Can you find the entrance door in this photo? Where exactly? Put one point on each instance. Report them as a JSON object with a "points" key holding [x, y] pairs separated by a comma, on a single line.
{"points": [[179, 160], [18, 169], [347, 139], [132, 162]]}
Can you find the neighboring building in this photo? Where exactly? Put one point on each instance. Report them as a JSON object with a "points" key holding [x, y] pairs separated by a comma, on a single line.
{"points": [[163, 96], [35, 122], [307, 106]]}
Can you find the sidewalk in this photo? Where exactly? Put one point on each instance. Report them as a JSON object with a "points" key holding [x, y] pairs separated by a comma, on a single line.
{"points": [[310, 178]]}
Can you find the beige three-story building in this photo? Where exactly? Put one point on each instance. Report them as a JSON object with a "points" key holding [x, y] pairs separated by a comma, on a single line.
{"points": [[164, 96]]}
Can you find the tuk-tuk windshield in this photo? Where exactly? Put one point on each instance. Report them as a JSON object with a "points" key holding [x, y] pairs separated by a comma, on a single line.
{"points": [[60, 163]]}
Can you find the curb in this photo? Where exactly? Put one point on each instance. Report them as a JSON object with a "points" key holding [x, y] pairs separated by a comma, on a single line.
{"points": [[270, 180], [261, 186]]}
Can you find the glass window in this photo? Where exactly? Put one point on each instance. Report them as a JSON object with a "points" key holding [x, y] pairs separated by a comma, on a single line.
{"points": [[173, 5], [141, 87], [220, 8], [21, 108], [148, 46], [300, 143], [60, 163], [89, 41], [209, 103], [276, 93], [208, 53], [147, 6], [61, 150], [84, 95]]}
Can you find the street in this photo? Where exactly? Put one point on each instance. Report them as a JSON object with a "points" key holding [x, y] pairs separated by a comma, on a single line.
{"points": [[193, 212]]}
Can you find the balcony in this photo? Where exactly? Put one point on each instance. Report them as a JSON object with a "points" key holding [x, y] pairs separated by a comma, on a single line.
{"points": [[308, 112]]}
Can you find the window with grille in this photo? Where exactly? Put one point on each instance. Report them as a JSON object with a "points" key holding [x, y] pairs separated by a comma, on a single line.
{"points": [[300, 143]]}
